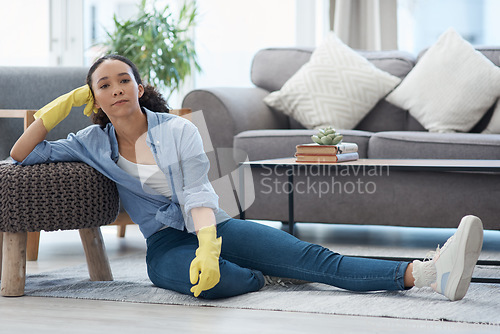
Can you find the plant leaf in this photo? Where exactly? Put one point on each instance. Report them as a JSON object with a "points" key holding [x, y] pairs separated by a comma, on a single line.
{"points": [[158, 44]]}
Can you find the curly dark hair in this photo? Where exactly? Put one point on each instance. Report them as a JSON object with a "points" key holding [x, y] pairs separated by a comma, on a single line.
{"points": [[151, 99]]}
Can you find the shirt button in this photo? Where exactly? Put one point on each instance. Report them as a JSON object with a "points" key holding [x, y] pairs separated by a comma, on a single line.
{"points": [[157, 142]]}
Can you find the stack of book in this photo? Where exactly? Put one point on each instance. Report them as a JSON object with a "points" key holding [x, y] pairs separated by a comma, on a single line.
{"points": [[315, 153]]}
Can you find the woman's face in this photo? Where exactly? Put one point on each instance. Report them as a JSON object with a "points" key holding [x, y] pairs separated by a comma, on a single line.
{"points": [[115, 90]]}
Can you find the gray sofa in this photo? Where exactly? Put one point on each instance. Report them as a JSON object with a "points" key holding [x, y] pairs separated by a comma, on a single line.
{"points": [[238, 117]]}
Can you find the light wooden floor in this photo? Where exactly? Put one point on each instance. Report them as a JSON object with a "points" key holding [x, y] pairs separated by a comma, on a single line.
{"points": [[62, 249]]}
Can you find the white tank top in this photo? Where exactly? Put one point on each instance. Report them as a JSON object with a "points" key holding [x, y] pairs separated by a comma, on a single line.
{"points": [[147, 174]]}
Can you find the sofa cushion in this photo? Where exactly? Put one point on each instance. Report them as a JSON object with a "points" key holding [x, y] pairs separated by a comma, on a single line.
{"points": [[494, 124], [270, 144], [490, 52], [451, 87], [388, 117], [425, 145], [337, 88], [272, 67]]}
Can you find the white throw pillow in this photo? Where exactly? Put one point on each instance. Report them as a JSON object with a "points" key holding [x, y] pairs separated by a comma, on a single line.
{"points": [[494, 124], [451, 87], [337, 88]]}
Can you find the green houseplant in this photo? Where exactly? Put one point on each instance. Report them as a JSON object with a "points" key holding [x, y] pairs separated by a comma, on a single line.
{"points": [[158, 44]]}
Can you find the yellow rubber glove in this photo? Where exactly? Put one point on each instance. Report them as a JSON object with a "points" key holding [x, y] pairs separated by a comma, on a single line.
{"points": [[205, 265], [57, 110]]}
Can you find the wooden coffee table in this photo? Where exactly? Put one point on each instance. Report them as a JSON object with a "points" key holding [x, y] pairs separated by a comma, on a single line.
{"points": [[289, 167]]}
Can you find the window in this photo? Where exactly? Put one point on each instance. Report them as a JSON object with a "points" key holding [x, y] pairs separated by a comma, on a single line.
{"points": [[41, 33], [98, 19], [230, 32], [421, 22]]}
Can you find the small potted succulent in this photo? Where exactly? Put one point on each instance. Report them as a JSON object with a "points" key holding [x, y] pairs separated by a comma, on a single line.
{"points": [[327, 136]]}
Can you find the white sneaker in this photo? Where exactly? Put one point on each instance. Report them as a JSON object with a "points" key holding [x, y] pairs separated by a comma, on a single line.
{"points": [[455, 261]]}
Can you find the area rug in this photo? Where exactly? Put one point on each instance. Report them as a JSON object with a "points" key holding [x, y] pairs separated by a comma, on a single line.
{"points": [[131, 284]]}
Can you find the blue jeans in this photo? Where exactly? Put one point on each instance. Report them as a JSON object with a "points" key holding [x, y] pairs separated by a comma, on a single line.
{"points": [[251, 250]]}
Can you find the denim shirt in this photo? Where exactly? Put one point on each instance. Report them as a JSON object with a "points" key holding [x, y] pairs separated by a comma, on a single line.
{"points": [[178, 151]]}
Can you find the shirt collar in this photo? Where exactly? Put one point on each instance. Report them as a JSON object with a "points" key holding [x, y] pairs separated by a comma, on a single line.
{"points": [[110, 129], [153, 121]]}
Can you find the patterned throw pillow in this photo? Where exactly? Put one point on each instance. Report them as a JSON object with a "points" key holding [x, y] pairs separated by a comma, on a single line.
{"points": [[451, 87], [337, 88]]}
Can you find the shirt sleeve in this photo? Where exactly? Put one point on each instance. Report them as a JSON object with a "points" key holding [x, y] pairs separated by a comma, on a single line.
{"points": [[62, 150], [198, 191]]}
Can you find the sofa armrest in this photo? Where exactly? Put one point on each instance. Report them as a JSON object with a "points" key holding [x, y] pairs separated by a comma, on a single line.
{"points": [[229, 111]]}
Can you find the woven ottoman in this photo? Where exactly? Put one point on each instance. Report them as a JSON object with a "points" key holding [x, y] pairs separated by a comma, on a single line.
{"points": [[51, 197]]}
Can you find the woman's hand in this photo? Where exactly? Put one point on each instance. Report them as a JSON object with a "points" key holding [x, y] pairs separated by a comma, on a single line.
{"points": [[48, 117], [57, 110], [204, 268]]}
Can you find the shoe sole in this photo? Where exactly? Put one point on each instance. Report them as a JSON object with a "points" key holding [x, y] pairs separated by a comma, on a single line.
{"points": [[470, 228]]}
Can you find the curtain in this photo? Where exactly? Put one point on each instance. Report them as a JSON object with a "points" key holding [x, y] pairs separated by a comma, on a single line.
{"points": [[365, 24]]}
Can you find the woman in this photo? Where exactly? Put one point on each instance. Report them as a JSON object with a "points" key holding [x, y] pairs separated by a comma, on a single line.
{"points": [[160, 168]]}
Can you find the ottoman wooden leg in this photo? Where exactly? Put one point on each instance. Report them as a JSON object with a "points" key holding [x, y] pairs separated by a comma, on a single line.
{"points": [[1, 247], [95, 252], [32, 248], [121, 222], [122, 227], [14, 264]]}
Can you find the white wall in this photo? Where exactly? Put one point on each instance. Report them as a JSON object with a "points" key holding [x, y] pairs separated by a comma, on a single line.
{"points": [[24, 33], [230, 32]]}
